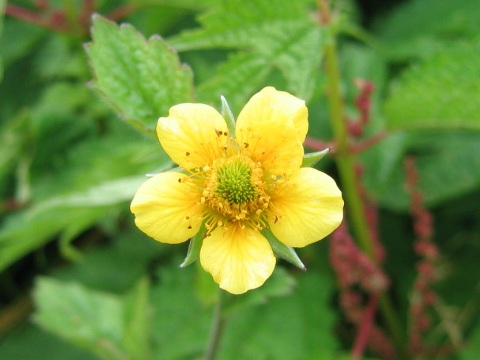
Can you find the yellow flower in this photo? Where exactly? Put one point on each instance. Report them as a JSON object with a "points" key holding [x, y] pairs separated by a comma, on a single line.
{"points": [[237, 186]]}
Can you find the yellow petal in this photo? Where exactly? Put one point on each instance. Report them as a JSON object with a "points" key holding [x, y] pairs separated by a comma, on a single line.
{"points": [[238, 259], [306, 208], [190, 134], [272, 127], [166, 209]]}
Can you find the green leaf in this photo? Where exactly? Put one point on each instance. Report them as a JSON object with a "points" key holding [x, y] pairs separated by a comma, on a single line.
{"points": [[2, 12], [141, 79], [280, 284], [440, 93], [472, 349], [120, 265], [273, 35], [108, 325], [29, 342], [178, 311], [136, 338], [237, 79], [12, 51], [444, 160], [87, 318], [303, 324], [283, 251], [312, 158], [14, 135], [27, 231], [300, 316], [413, 29], [107, 193], [95, 180]]}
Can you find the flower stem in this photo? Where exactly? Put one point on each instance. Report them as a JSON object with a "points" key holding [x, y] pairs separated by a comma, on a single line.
{"points": [[344, 159], [346, 168], [218, 325]]}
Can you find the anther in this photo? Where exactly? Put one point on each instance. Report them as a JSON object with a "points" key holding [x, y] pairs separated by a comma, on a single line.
{"points": [[219, 132], [189, 226], [187, 153]]}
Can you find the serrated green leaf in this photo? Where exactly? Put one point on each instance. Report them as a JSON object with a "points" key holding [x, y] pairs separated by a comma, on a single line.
{"points": [[280, 34], [237, 23], [141, 79], [413, 28], [441, 93], [237, 79], [87, 318]]}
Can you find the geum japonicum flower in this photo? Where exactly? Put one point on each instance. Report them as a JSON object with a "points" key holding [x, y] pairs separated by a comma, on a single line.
{"points": [[238, 185]]}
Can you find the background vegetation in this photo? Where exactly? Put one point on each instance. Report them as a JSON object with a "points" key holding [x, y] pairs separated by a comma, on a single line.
{"points": [[77, 108]]}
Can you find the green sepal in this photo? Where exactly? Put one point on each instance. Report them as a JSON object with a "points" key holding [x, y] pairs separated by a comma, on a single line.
{"points": [[177, 169], [194, 247], [311, 159], [228, 116], [283, 251]]}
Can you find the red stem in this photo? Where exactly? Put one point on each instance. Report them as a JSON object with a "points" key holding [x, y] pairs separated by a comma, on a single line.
{"points": [[371, 141], [320, 145], [122, 12], [55, 22], [88, 9], [365, 329]]}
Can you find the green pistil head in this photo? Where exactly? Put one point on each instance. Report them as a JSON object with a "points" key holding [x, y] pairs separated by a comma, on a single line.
{"points": [[235, 182]]}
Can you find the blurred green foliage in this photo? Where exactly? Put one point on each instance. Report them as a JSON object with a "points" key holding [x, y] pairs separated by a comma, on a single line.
{"points": [[70, 162]]}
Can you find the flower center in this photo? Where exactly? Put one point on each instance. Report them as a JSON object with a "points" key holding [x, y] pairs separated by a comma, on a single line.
{"points": [[235, 189], [235, 181]]}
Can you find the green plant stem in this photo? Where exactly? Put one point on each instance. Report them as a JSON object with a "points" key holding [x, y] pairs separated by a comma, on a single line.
{"points": [[346, 168], [216, 332], [344, 160]]}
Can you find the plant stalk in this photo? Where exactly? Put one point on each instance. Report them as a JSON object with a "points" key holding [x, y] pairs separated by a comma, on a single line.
{"points": [[346, 168]]}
